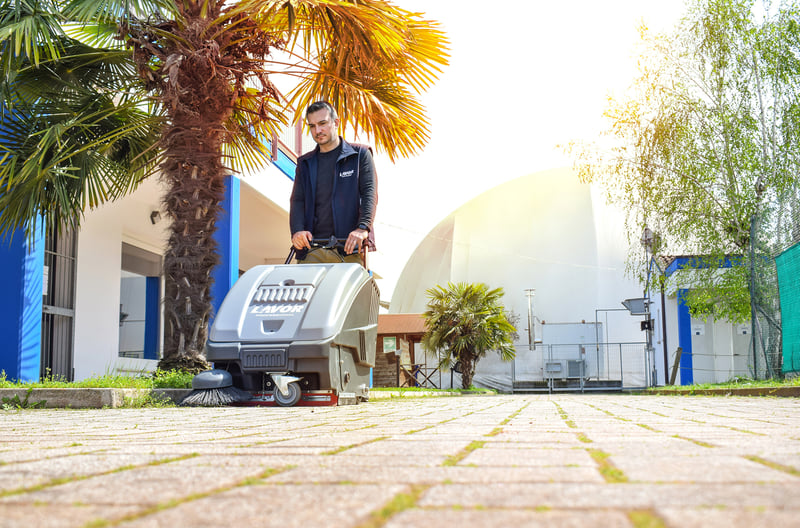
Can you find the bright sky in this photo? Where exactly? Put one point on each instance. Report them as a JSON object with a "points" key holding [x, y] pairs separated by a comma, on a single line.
{"points": [[524, 76]]}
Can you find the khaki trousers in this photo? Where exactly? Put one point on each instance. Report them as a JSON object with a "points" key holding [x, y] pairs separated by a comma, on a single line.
{"points": [[328, 256]]}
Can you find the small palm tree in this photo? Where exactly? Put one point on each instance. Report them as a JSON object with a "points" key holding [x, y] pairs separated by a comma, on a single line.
{"points": [[204, 69], [464, 322]]}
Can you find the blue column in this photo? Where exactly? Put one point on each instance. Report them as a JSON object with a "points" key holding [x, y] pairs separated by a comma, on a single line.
{"points": [[151, 316], [227, 238], [685, 338], [22, 270]]}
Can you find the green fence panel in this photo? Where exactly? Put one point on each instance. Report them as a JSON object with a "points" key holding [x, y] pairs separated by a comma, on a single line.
{"points": [[788, 267]]}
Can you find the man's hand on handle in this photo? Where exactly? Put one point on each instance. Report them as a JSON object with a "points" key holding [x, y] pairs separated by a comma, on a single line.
{"points": [[302, 240], [354, 241]]}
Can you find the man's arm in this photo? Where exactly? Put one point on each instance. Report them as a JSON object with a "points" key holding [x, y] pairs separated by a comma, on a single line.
{"points": [[368, 197], [367, 188], [301, 237]]}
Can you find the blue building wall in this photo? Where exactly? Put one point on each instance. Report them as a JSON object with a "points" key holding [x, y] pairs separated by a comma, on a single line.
{"points": [[152, 319], [227, 238], [685, 338], [22, 269], [684, 317]]}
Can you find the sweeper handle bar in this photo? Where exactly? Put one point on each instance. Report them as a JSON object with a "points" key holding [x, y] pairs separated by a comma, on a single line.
{"points": [[332, 243]]}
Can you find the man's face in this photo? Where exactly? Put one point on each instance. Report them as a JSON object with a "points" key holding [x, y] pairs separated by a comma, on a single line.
{"points": [[323, 129]]}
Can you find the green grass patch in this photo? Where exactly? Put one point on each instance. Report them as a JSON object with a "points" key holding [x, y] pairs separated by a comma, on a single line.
{"points": [[160, 379], [645, 519], [172, 503], [403, 390], [692, 440], [514, 414], [147, 399], [645, 426], [734, 383], [16, 402], [399, 503], [64, 480], [609, 471], [351, 446], [564, 416], [461, 455], [774, 465]]}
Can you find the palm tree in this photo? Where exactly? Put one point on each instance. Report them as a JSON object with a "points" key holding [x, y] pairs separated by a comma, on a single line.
{"points": [[72, 132], [464, 322], [207, 68]]}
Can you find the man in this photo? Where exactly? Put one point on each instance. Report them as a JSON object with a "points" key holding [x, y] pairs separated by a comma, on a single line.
{"points": [[334, 193]]}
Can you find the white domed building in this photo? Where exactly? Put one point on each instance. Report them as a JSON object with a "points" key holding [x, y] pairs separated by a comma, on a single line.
{"points": [[558, 251]]}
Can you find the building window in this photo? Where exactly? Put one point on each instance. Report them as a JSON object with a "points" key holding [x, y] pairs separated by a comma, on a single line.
{"points": [[140, 294]]}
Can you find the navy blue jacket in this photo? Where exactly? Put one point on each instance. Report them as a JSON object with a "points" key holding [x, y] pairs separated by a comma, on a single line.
{"points": [[355, 191]]}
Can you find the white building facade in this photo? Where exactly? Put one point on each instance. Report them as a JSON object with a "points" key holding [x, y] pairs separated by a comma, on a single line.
{"points": [[88, 303]]}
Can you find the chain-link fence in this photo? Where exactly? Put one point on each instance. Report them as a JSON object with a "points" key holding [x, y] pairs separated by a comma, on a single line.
{"points": [[788, 267], [772, 231]]}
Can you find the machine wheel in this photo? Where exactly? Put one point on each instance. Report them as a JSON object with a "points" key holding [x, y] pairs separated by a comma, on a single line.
{"points": [[288, 400]]}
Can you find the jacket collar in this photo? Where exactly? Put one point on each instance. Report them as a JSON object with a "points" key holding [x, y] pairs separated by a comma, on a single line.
{"points": [[347, 149]]}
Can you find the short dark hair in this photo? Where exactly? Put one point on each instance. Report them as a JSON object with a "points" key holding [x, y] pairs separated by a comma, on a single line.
{"points": [[321, 105]]}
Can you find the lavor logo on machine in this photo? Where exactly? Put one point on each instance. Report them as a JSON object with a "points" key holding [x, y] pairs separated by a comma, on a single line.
{"points": [[278, 309]]}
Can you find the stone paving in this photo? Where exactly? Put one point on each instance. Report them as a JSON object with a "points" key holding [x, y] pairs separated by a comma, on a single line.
{"points": [[472, 461]]}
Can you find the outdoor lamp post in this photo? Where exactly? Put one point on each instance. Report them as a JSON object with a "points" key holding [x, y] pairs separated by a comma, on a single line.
{"points": [[648, 242]]}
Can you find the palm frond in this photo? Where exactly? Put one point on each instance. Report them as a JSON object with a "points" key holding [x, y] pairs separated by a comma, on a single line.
{"points": [[369, 59], [61, 156], [114, 10], [30, 31]]}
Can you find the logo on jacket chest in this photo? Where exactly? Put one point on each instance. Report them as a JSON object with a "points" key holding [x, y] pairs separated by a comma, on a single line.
{"points": [[346, 174]]}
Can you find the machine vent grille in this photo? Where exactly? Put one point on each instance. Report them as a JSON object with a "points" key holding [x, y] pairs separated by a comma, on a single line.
{"points": [[282, 294], [362, 346], [264, 359], [374, 307]]}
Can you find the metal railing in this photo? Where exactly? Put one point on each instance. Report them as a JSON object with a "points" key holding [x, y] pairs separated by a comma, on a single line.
{"points": [[582, 367], [292, 141]]}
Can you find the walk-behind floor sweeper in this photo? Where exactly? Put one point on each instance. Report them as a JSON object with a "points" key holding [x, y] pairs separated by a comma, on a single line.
{"points": [[294, 335]]}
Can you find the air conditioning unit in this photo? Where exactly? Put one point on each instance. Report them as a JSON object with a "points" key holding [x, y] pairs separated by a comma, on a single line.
{"points": [[555, 369], [575, 368]]}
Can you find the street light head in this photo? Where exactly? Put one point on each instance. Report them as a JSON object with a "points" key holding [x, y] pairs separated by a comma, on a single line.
{"points": [[637, 306]]}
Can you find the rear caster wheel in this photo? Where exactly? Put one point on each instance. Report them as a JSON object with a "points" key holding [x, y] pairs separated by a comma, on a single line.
{"points": [[290, 399]]}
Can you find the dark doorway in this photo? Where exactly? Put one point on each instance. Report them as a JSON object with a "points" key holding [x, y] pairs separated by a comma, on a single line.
{"points": [[58, 303]]}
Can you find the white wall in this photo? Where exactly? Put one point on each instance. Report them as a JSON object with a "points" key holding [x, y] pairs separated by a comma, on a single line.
{"points": [[96, 341], [720, 349], [264, 235]]}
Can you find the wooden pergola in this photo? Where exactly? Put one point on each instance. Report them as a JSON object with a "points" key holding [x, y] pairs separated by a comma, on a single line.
{"points": [[394, 328]]}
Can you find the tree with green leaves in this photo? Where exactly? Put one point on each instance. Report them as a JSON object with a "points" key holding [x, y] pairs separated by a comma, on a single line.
{"points": [[100, 94], [465, 321], [705, 139]]}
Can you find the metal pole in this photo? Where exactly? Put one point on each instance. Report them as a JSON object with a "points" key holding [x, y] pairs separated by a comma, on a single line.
{"points": [[753, 339], [597, 344], [514, 370], [664, 331], [531, 336]]}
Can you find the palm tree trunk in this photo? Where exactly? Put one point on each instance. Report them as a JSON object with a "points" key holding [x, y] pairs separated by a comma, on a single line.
{"points": [[467, 371], [192, 203], [198, 96]]}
